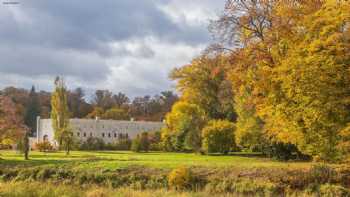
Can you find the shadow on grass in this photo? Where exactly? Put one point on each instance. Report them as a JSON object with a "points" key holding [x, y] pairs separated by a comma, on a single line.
{"points": [[31, 162], [125, 153], [250, 155]]}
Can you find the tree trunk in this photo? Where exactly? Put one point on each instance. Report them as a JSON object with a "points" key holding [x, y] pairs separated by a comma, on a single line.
{"points": [[26, 146]]}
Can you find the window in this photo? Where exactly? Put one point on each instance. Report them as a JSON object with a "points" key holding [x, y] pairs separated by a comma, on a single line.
{"points": [[103, 134], [115, 135], [120, 136], [90, 134], [126, 136], [78, 134], [109, 135], [84, 134]]}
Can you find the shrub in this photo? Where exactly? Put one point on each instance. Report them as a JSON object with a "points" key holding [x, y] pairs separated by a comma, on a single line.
{"points": [[218, 136], [123, 144], [136, 144], [284, 151], [328, 190], [140, 143], [144, 142], [44, 146], [93, 143], [245, 187], [322, 173], [180, 178], [97, 193]]}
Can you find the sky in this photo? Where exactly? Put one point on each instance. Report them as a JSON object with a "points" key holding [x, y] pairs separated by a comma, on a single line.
{"points": [[127, 46]]}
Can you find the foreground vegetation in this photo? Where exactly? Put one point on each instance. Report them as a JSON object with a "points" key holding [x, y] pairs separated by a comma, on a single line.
{"points": [[166, 174]]}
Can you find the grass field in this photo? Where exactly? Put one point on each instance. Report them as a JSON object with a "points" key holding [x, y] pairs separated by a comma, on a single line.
{"points": [[121, 159], [125, 173]]}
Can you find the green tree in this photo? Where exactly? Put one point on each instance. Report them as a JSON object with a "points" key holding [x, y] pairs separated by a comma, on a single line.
{"points": [[32, 110], [26, 146], [60, 116], [144, 142], [218, 136], [136, 144], [184, 123], [115, 114]]}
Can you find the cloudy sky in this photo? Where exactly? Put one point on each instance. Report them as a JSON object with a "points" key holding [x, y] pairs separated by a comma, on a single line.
{"points": [[120, 45]]}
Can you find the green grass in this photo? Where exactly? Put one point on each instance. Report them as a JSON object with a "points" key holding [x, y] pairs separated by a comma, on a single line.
{"points": [[123, 159]]}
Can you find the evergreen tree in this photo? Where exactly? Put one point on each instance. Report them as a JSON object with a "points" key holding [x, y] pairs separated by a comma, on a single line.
{"points": [[32, 111], [60, 116]]}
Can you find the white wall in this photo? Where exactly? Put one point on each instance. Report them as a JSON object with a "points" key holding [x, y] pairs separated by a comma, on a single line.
{"points": [[96, 128]]}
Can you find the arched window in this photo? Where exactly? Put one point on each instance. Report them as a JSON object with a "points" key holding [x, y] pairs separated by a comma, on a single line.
{"points": [[84, 134], [109, 135], [103, 134], [78, 134]]}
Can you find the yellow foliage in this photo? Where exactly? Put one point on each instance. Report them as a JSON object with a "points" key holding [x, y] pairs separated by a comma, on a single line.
{"points": [[180, 178]]}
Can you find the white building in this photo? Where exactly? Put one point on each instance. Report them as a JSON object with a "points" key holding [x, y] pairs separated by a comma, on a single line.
{"points": [[108, 130]]}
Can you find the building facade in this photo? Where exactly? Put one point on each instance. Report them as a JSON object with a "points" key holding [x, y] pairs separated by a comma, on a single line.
{"points": [[107, 130]]}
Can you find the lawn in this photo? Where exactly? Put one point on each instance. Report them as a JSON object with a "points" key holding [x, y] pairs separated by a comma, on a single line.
{"points": [[121, 159], [125, 173]]}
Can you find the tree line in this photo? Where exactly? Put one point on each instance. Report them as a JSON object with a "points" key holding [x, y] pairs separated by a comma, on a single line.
{"points": [[279, 72], [29, 104]]}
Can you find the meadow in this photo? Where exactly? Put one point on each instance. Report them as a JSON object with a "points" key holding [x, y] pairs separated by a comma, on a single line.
{"points": [[110, 160], [124, 173]]}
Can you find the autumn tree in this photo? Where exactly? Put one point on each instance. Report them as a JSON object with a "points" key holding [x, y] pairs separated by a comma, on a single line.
{"points": [[12, 127], [115, 114], [103, 99], [184, 124], [32, 111], [204, 83], [76, 102], [293, 58], [60, 116], [218, 136]]}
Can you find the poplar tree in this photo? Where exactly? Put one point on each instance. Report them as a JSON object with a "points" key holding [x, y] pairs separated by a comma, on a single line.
{"points": [[32, 110], [60, 116]]}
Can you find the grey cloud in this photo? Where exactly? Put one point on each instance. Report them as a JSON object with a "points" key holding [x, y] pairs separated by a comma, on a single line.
{"points": [[42, 39]]}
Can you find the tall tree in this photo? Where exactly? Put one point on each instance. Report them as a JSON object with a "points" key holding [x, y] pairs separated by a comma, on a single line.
{"points": [[204, 83], [184, 124], [12, 127], [77, 104], [32, 110], [103, 99], [121, 99], [293, 57], [60, 116]]}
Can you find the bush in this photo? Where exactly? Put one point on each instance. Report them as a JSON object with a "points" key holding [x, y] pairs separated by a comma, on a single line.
{"points": [[180, 178], [284, 152], [123, 144], [93, 143], [140, 143], [218, 136], [97, 193], [328, 190], [322, 173], [44, 146], [136, 144]]}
